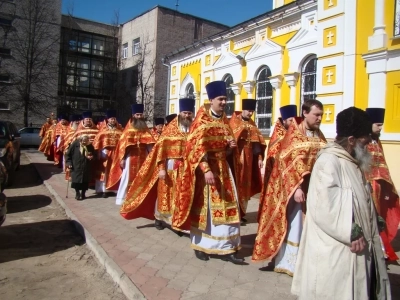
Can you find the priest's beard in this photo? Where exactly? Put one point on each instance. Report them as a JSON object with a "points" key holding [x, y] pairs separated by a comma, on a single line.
{"points": [[139, 124], [185, 122], [361, 154], [74, 126]]}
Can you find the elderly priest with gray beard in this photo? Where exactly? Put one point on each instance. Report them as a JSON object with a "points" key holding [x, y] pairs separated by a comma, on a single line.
{"points": [[340, 255]]}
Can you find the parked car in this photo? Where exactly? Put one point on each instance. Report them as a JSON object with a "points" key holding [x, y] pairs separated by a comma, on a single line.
{"points": [[30, 136], [10, 148]]}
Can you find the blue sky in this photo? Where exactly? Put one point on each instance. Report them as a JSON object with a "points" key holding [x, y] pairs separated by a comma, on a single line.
{"points": [[228, 12]]}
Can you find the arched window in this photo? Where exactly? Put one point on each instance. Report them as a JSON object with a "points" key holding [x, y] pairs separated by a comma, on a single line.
{"points": [[189, 91], [230, 101], [308, 80], [264, 99]]}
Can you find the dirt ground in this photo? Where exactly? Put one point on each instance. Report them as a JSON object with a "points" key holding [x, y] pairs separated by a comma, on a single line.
{"points": [[41, 254]]}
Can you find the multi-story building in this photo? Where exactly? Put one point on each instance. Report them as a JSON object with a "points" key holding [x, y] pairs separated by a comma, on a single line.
{"points": [[343, 53], [29, 43], [88, 66], [144, 41]]}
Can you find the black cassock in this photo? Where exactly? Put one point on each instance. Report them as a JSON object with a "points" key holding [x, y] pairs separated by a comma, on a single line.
{"points": [[81, 171]]}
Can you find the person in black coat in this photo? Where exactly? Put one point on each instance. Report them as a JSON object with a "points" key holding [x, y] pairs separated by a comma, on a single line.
{"points": [[79, 160]]}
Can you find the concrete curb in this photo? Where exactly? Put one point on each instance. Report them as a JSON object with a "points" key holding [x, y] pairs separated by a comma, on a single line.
{"points": [[129, 289]]}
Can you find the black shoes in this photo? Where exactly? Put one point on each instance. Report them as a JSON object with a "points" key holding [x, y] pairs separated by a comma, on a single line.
{"points": [[229, 257], [159, 224], [201, 255], [233, 259], [78, 196], [104, 195]]}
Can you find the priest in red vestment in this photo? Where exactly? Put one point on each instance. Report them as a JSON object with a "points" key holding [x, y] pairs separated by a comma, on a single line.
{"points": [[384, 192], [281, 217], [288, 113], [131, 151], [74, 121], [158, 127], [153, 191], [251, 146], [104, 143], [47, 144], [59, 136], [208, 201], [86, 127]]}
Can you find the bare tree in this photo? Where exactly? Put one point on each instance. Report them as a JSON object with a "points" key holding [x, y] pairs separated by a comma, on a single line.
{"points": [[146, 67], [35, 44]]}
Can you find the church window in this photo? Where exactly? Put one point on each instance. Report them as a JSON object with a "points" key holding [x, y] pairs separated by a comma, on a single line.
{"points": [[189, 92], [308, 80], [230, 99], [264, 100]]}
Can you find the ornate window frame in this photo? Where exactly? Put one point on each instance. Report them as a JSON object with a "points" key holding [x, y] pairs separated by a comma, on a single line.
{"points": [[264, 92], [230, 99], [309, 94]]}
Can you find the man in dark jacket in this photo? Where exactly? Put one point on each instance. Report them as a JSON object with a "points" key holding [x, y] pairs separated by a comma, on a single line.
{"points": [[79, 160]]}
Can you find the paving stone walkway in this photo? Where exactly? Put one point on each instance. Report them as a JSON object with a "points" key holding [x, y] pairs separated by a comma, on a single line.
{"points": [[160, 263]]}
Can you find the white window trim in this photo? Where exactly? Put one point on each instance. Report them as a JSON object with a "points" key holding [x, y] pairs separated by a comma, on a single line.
{"points": [[136, 46], [396, 25], [125, 50], [268, 115], [302, 93]]}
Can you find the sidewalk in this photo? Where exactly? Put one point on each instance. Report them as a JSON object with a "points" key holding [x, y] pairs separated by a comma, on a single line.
{"points": [[160, 263]]}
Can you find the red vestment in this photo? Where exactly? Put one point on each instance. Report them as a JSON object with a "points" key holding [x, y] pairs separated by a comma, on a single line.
{"points": [[146, 188], [82, 130], [297, 156], [132, 143], [106, 139], [248, 137], [60, 132], [44, 128], [206, 149], [47, 144], [67, 141], [274, 147], [382, 186]]}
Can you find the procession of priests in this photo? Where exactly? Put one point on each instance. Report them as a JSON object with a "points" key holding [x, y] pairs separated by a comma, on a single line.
{"points": [[328, 211]]}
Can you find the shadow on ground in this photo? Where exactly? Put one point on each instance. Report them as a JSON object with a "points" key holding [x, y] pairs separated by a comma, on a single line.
{"points": [[24, 203], [35, 239]]}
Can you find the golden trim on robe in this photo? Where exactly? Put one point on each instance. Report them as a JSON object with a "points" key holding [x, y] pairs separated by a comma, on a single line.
{"points": [[142, 195], [296, 160], [208, 138]]}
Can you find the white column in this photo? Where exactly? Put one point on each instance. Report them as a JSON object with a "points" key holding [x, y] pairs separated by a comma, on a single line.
{"points": [[276, 82], [249, 87], [236, 88], [379, 38], [377, 90], [376, 70], [291, 80]]}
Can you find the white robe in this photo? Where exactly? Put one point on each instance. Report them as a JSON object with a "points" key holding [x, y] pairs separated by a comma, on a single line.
{"points": [[326, 268], [123, 184], [217, 239]]}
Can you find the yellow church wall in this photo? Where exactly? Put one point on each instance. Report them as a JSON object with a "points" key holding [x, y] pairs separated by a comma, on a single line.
{"points": [[194, 69], [365, 25], [243, 93], [243, 49], [288, 1], [392, 115], [285, 89], [389, 21], [391, 150]]}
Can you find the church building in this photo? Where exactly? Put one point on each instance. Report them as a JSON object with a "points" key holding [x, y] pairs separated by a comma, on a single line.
{"points": [[343, 53]]}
